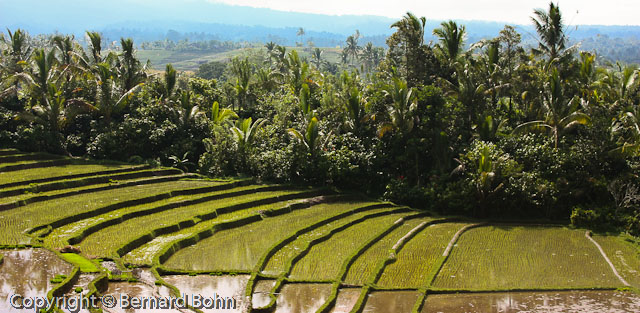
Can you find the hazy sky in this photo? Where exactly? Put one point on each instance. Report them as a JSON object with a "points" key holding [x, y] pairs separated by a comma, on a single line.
{"points": [[585, 12]]}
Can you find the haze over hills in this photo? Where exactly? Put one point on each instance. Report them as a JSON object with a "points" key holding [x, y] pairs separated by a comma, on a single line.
{"points": [[152, 20], [195, 20]]}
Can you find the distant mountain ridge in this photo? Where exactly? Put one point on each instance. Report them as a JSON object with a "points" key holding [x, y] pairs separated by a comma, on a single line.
{"points": [[151, 20]]}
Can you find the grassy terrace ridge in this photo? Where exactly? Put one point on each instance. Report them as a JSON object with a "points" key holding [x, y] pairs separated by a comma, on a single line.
{"points": [[242, 248], [555, 257], [363, 267], [624, 255], [106, 242], [63, 172], [144, 255], [277, 264], [323, 260], [14, 222], [417, 258], [77, 184], [34, 164], [26, 158], [26, 199], [76, 231]]}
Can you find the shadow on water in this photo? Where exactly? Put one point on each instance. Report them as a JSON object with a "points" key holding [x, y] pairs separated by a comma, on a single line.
{"points": [[346, 299], [295, 298], [210, 286], [564, 301], [28, 273], [391, 301]]}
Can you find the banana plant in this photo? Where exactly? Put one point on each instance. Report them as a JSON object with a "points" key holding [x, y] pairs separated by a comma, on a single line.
{"points": [[311, 137], [220, 116], [245, 130]]}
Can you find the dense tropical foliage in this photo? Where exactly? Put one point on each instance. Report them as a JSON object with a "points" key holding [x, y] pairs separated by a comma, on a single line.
{"points": [[488, 129]]}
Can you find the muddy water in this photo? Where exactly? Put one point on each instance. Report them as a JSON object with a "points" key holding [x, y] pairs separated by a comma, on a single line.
{"points": [[391, 301], [294, 298], [566, 301], [261, 293], [27, 273], [138, 290], [346, 299], [210, 286]]}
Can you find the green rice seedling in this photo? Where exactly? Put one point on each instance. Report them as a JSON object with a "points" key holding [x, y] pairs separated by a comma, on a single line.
{"points": [[278, 263], [69, 171], [106, 241], [60, 236], [524, 257], [58, 279], [14, 222], [85, 265], [324, 260], [624, 254], [366, 263], [241, 248], [417, 257], [144, 255]]}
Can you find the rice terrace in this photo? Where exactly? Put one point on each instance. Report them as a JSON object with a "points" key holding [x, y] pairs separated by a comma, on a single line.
{"points": [[292, 156], [95, 228]]}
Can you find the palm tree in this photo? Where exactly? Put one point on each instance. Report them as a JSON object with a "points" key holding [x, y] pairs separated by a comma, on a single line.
{"points": [[130, 71], [300, 34], [95, 46], [242, 70], [355, 105], [561, 113], [406, 47], [111, 97], [550, 28], [352, 49], [169, 81], [271, 46], [15, 59], [451, 40], [316, 57], [400, 112], [627, 128], [188, 110]]}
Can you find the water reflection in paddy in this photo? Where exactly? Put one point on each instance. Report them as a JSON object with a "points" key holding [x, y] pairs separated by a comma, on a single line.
{"points": [[391, 301], [295, 298], [209, 286], [28, 273], [565, 301], [261, 293], [346, 299]]}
